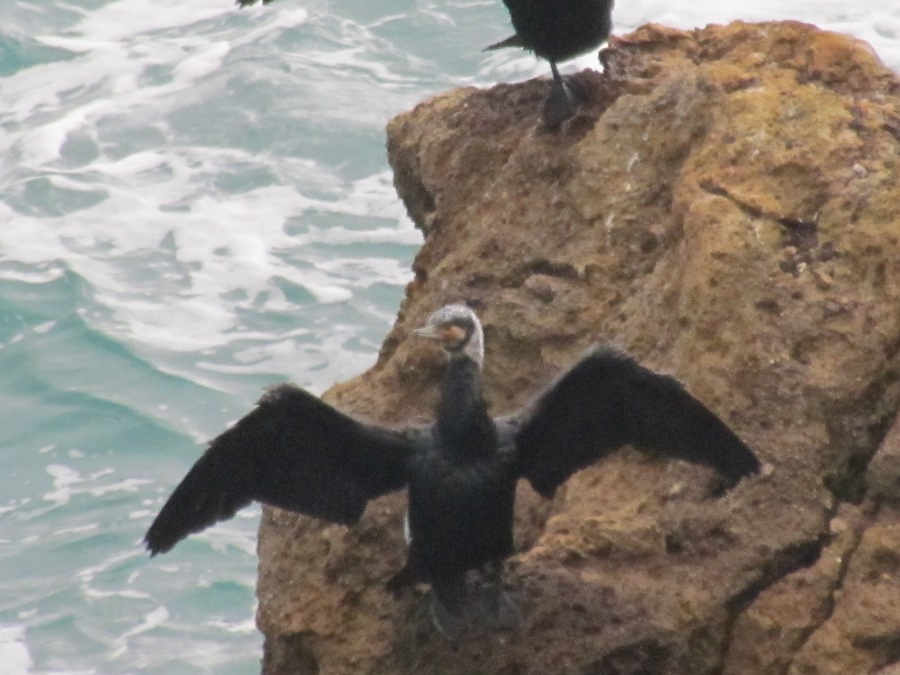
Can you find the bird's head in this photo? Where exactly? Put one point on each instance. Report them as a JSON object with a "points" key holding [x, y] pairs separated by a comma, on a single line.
{"points": [[458, 330]]}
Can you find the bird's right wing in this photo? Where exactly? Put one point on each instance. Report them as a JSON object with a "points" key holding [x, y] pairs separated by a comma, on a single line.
{"points": [[608, 400], [293, 451]]}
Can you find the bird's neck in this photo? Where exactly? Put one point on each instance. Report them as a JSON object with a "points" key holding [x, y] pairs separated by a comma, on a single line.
{"points": [[465, 430]]}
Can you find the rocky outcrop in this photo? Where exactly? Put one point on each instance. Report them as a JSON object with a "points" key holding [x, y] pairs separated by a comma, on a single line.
{"points": [[725, 206]]}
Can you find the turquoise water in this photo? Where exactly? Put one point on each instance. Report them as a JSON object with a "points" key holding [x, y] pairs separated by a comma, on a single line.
{"points": [[194, 203]]}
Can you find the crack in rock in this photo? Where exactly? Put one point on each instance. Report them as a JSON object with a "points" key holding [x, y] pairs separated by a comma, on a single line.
{"points": [[802, 234], [830, 601]]}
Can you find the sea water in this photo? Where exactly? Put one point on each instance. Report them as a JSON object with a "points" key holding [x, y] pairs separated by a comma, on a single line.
{"points": [[195, 203]]}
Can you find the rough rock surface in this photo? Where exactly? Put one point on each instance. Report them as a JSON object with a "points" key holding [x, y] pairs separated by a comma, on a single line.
{"points": [[726, 207]]}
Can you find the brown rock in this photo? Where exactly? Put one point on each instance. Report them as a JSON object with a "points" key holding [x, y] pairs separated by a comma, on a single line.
{"points": [[782, 618], [883, 476], [854, 627], [862, 633], [725, 207]]}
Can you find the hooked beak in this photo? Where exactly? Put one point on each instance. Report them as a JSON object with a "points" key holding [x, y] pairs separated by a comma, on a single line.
{"points": [[430, 332]]}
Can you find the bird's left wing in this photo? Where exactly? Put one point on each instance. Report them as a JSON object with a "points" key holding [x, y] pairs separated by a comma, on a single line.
{"points": [[608, 400], [293, 451]]}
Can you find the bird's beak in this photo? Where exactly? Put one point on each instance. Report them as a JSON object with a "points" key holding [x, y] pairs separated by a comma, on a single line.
{"points": [[430, 332]]}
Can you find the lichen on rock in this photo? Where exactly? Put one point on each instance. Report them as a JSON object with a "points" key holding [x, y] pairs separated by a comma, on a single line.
{"points": [[725, 207]]}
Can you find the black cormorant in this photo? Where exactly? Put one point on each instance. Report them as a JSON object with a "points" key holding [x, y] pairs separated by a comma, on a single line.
{"points": [[555, 30], [558, 30], [298, 453]]}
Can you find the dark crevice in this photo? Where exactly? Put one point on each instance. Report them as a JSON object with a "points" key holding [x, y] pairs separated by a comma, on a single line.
{"points": [[643, 656], [419, 201], [782, 564], [886, 647], [831, 599], [859, 430], [719, 191], [847, 485], [893, 128], [863, 434], [290, 653], [537, 266], [801, 234], [549, 268]]}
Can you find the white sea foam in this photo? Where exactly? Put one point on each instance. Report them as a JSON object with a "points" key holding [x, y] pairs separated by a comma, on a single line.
{"points": [[65, 478], [44, 327], [212, 239], [246, 626], [221, 244], [13, 652], [41, 274], [222, 537], [94, 594], [91, 527], [151, 621]]}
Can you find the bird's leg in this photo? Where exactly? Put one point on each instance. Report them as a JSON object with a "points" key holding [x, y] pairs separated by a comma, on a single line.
{"points": [[402, 579], [501, 611], [448, 604], [561, 103]]}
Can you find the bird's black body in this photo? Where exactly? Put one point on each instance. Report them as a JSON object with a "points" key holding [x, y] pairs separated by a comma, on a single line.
{"points": [[298, 453], [557, 30], [462, 487]]}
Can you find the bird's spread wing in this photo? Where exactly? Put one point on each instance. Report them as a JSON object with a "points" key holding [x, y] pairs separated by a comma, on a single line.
{"points": [[293, 451], [607, 400]]}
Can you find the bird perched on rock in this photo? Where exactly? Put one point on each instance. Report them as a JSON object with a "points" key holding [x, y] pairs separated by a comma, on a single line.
{"points": [[298, 453], [555, 30], [558, 30]]}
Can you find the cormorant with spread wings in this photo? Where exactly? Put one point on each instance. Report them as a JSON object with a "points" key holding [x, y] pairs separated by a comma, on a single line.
{"points": [[296, 452]]}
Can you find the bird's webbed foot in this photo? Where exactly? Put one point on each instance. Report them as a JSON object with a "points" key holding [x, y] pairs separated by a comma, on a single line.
{"points": [[562, 102], [448, 606], [501, 611], [449, 622]]}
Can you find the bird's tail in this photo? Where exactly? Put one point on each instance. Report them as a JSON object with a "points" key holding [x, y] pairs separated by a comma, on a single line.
{"points": [[511, 41]]}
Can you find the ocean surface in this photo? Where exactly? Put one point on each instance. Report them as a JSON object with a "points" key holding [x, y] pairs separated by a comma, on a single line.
{"points": [[195, 203]]}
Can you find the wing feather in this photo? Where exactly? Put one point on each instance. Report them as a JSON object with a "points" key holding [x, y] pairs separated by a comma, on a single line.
{"points": [[608, 400], [293, 451]]}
